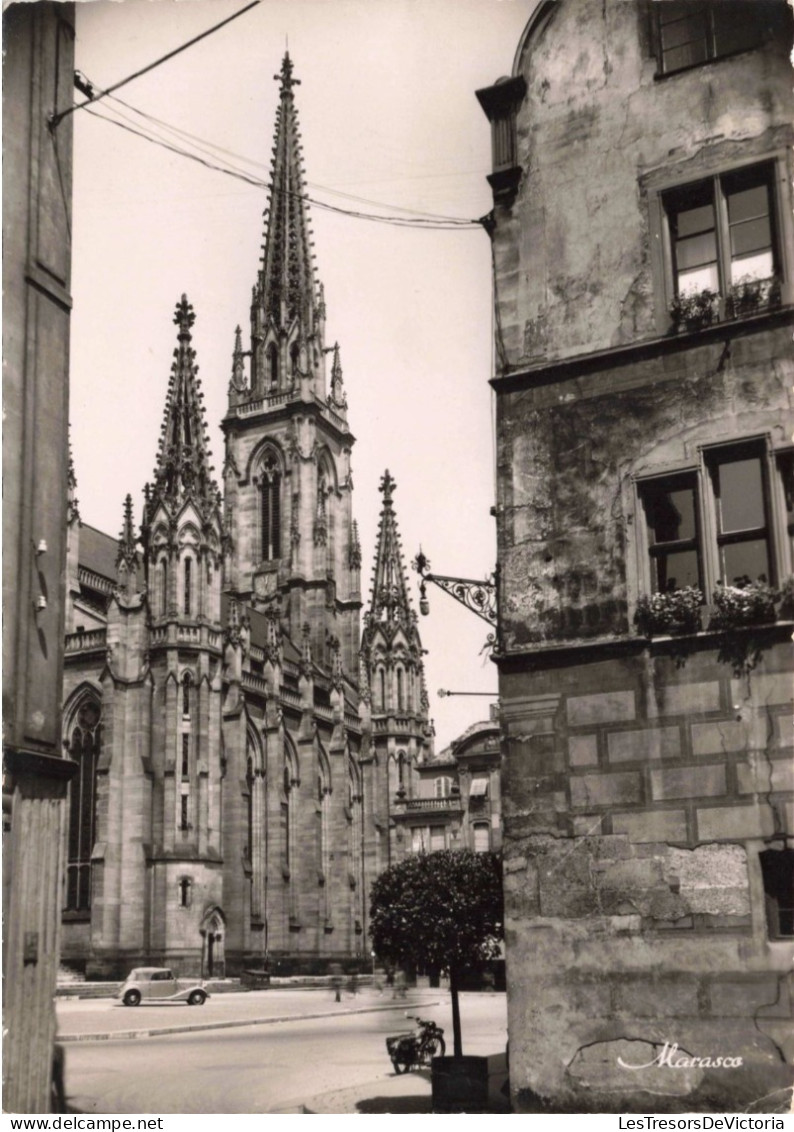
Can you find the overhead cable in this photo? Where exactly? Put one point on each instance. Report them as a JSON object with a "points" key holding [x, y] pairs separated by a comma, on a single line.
{"points": [[212, 148], [437, 223], [57, 118]]}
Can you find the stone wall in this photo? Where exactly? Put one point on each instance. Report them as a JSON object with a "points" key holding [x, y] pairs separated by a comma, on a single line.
{"points": [[638, 796]]}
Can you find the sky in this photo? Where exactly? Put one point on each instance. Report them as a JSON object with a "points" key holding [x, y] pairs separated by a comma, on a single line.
{"points": [[388, 115]]}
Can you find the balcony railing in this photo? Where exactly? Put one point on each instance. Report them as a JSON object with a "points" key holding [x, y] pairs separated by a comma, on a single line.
{"points": [[86, 642], [412, 805]]}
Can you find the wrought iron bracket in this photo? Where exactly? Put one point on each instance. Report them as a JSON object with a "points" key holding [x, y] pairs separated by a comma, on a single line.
{"points": [[479, 597]]}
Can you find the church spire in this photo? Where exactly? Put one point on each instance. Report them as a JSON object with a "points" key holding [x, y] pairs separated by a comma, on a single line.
{"points": [[183, 468], [389, 588], [127, 551], [286, 300]]}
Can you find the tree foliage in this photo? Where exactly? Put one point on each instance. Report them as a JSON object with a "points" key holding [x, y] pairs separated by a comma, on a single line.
{"points": [[439, 910]]}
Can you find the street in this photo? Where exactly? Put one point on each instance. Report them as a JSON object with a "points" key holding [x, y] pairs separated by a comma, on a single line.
{"points": [[251, 1068]]}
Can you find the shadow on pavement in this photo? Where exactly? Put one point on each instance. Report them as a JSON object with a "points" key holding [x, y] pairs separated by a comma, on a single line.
{"points": [[395, 1104]]}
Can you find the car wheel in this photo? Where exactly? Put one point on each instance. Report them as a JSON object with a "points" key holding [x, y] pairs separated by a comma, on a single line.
{"points": [[132, 998], [196, 998]]}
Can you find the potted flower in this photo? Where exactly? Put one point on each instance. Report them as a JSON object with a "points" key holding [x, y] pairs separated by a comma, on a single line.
{"points": [[695, 311], [744, 603], [748, 296], [673, 613]]}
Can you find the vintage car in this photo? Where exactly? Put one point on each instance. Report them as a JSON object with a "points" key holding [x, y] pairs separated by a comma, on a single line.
{"points": [[158, 984]]}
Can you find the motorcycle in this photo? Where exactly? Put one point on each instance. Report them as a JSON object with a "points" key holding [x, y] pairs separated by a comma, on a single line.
{"points": [[408, 1051]]}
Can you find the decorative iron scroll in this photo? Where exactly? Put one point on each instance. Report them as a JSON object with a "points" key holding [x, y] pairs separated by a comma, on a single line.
{"points": [[479, 597]]}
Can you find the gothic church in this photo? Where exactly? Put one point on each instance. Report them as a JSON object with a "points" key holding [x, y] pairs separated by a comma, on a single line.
{"points": [[241, 744]]}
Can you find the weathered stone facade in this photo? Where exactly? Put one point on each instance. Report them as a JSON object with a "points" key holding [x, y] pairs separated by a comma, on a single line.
{"points": [[233, 799], [38, 73], [643, 249]]}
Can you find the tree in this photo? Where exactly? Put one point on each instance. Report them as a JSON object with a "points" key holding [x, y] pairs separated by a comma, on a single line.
{"points": [[442, 910]]}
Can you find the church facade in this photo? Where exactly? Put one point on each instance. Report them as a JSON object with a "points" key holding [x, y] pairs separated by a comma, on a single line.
{"points": [[240, 745]]}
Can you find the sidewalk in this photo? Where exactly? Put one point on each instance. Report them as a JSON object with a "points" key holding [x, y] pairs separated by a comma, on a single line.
{"points": [[404, 1094]]}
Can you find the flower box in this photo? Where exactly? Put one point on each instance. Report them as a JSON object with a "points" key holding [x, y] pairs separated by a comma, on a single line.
{"points": [[674, 613], [745, 603]]}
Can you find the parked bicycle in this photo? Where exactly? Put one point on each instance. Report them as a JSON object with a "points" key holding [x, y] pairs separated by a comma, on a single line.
{"points": [[408, 1051]]}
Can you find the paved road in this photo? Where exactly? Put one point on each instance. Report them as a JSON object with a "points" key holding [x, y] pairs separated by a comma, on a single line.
{"points": [[77, 1017], [256, 1068]]}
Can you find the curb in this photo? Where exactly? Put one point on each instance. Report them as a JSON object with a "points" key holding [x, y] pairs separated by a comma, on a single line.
{"points": [[128, 1035]]}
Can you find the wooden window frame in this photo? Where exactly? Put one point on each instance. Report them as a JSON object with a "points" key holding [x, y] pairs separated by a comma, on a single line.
{"points": [[712, 10], [662, 189], [775, 527]]}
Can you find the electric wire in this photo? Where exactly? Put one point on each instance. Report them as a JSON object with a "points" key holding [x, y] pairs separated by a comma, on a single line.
{"points": [[57, 118], [429, 223], [212, 148]]}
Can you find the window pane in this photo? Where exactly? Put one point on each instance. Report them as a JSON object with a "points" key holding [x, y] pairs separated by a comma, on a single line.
{"points": [[737, 26], [748, 204], [740, 491], [696, 251], [694, 240], [671, 514], [744, 560], [745, 269], [697, 280], [683, 33], [436, 840], [676, 570], [691, 221], [750, 236]]}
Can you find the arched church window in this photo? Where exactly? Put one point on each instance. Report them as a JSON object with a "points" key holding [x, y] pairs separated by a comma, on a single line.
{"points": [[84, 749], [401, 767], [188, 586], [382, 688], [187, 688], [287, 824], [161, 592], [294, 357], [272, 364], [249, 784], [271, 510], [400, 690]]}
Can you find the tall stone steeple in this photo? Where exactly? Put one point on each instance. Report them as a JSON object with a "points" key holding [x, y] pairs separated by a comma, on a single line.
{"points": [[392, 652], [287, 309], [183, 470], [287, 476], [182, 525]]}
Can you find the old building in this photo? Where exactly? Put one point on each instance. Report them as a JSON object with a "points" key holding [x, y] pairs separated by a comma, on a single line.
{"points": [[239, 746], [456, 802], [644, 279], [38, 67]]}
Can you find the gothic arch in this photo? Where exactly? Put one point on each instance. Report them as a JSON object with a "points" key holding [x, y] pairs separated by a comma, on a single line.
{"points": [[324, 767], [291, 758], [83, 738], [326, 468], [213, 935]]}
